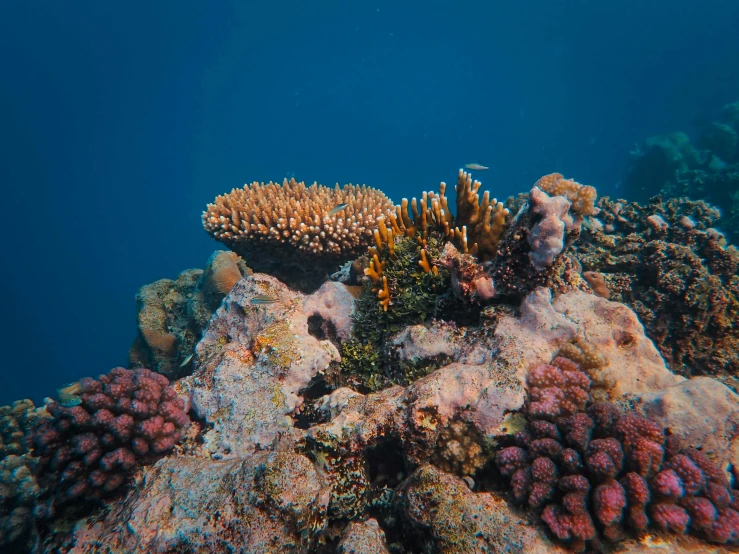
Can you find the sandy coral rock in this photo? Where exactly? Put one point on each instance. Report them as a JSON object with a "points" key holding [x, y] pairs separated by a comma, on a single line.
{"points": [[422, 342], [460, 521], [364, 537], [701, 412], [255, 359], [272, 503], [329, 311], [635, 365]]}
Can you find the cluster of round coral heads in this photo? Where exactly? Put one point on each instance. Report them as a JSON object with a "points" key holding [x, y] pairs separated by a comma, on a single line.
{"points": [[593, 472], [125, 418]]}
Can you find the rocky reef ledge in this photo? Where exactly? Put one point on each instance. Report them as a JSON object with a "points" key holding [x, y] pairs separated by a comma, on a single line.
{"points": [[282, 467]]}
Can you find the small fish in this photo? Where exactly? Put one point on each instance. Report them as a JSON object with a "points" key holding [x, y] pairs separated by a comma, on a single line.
{"points": [[186, 361], [263, 299], [337, 209], [476, 167], [67, 394]]}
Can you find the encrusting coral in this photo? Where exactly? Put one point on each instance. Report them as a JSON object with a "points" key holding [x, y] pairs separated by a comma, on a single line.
{"points": [[594, 472], [273, 227]]}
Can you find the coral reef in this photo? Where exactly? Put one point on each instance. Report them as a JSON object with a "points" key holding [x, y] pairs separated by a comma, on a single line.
{"points": [[285, 462], [413, 296], [19, 488], [582, 197], [592, 473], [363, 538], [476, 229], [459, 521], [171, 315], [125, 417], [708, 169], [679, 276], [401, 404], [271, 353], [273, 227]]}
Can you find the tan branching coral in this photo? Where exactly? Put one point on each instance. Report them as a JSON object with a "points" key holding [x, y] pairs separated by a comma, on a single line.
{"points": [[582, 196], [295, 232], [476, 229], [425, 265]]}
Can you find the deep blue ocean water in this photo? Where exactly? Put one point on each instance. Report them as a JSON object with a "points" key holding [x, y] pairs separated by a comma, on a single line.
{"points": [[118, 124]]}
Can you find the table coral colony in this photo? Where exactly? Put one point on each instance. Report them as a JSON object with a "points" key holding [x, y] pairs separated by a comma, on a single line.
{"points": [[550, 373]]}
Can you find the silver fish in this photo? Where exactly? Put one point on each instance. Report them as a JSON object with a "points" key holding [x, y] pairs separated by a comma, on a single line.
{"points": [[337, 209], [263, 299], [186, 361], [476, 167]]}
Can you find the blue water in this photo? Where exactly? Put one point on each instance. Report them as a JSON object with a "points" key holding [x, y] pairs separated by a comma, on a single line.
{"points": [[117, 127]]}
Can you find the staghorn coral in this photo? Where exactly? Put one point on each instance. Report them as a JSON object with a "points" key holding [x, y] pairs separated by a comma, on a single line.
{"points": [[274, 226], [172, 315], [681, 278], [126, 417], [596, 473]]}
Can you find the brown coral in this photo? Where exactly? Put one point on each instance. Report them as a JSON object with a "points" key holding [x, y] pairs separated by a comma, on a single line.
{"points": [[274, 226], [681, 278], [477, 227], [582, 196], [173, 313]]}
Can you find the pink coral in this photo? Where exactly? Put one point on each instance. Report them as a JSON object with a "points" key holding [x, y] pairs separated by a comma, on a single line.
{"points": [[554, 392], [124, 418], [670, 517], [578, 466]]}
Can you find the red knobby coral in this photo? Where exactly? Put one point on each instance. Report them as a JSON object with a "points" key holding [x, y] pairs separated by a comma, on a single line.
{"points": [[596, 473], [124, 418]]}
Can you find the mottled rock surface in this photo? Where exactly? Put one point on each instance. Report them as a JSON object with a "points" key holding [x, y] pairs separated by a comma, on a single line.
{"points": [[269, 503], [253, 361]]}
